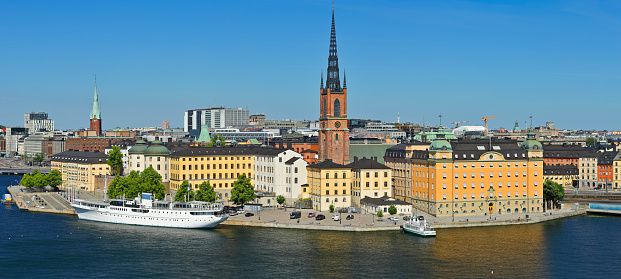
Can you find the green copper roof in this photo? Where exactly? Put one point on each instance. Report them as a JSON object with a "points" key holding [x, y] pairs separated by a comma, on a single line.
{"points": [[139, 148], [157, 149], [531, 142], [204, 136], [95, 112], [517, 127]]}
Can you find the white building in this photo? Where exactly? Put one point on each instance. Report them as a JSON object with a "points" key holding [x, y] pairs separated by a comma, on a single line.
{"points": [[12, 138], [279, 171], [156, 156], [235, 134], [124, 148], [216, 118], [37, 121]]}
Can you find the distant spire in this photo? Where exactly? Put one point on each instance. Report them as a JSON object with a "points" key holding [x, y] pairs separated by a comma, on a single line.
{"points": [[344, 79], [95, 110], [333, 82], [321, 86]]}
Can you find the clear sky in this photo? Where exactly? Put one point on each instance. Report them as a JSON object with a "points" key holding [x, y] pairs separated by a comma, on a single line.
{"points": [[557, 60]]}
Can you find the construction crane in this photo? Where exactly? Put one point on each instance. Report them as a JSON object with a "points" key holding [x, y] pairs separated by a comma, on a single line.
{"points": [[485, 120], [458, 122]]}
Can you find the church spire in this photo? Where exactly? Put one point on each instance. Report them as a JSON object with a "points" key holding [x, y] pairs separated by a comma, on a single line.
{"points": [[344, 80], [95, 110], [333, 82], [321, 86]]}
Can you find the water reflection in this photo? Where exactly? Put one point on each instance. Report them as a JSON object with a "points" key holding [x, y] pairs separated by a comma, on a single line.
{"points": [[515, 251]]}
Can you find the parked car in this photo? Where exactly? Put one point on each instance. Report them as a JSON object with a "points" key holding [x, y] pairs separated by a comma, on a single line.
{"points": [[241, 211], [311, 214], [349, 217], [407, 218], [295, 215], [232, 213], [393, 219], [320, 217], [249, 214], [336, 218]]}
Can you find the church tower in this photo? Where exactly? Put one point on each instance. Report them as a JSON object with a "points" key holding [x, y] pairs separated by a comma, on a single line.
{"points": [[334, 134], [95, 113]]}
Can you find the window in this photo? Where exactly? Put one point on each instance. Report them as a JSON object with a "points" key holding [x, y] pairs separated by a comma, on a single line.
{"points": [[535, 173], [465, 185], [456, 185], [465, 196], [472, 185], [523, 183], [482, 195], [344, 175], [456, 196], [491, 174], [444, 175], [295, 180], [472, 175], [376, 185], [444, 186], [376, 174], [499, 184], [508, 174], [367, 174], [535, 193], [327, 175], [482, 175], [385, 174], [456, 175], [482, 184], [337, 108], [524, 173], [499, 174]]}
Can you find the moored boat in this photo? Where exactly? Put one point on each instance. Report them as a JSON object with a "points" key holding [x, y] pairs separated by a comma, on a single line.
{"points": [[8, 199], [418, 226], [143, 211]]}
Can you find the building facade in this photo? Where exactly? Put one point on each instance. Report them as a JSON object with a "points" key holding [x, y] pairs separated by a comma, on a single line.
{"points": [[216, 118], [330, 184], [91, 144], [478, 177], [279, 172], [79, 169], [156, 156], [334, 134], [566, 175], [370, 179], [38, 121]]}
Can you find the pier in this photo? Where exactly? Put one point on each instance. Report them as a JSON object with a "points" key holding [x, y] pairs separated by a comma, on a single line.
{"points": [[46, 202], [600, 208]]}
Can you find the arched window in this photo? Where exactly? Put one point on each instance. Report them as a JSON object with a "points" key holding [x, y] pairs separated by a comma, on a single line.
{"points": [[325, 109], [336, 136], [337, 108]]}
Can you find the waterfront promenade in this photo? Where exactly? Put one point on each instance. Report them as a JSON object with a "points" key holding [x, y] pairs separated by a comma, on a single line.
{"points": [[367, 222]]}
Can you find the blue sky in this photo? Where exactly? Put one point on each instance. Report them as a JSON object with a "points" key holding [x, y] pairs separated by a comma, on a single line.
{"points": [[556, 60]]}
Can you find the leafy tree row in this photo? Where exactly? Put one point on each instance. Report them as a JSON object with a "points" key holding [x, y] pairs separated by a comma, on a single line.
{"points": [[37, 179], [148, 181], [242, 191]]}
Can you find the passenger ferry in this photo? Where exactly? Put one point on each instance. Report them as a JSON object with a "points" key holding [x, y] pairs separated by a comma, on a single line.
{"points": [[418, 226], [143, 211]]}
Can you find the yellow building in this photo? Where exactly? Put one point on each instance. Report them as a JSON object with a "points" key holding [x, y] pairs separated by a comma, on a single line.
{"points": [[398, 159], [330, 184], [566, 175], [478, 177], [221, 166], [370, 179], [79, 169]]}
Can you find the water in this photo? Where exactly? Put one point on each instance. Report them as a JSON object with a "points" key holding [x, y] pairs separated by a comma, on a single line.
{"points": [[59, 246]]}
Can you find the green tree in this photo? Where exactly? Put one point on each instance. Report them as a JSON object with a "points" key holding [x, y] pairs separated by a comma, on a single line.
{"points": [[54, 178], [242, 191], [392, 209], [331, 208], [206, 192], [184, 193], [591, 141], [214, 140], [115, 160], [150, 181], [380, 213], [37, 179], [552, 192], [118, 187], [27, 181], [280, 199]]}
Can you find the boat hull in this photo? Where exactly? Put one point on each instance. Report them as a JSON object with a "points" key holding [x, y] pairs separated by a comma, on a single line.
{"points": [[420, 231], [156, 218]]}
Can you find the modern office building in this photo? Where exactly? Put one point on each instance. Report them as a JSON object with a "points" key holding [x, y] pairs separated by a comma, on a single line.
{"points": [[221, 117], [38, 121], [12, 136]]}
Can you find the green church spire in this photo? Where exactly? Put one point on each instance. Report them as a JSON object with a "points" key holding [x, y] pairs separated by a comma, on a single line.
{"points": [[95, 111]]}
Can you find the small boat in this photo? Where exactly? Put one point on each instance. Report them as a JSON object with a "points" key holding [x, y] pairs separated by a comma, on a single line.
{"points": [[8, 199], [418, 226]]}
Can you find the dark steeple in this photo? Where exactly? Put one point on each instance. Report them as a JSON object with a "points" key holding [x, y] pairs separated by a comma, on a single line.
{"points": [[333, 82], [321, 86], [344, 80]]}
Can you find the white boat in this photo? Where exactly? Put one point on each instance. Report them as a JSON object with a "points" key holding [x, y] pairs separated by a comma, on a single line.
{"points": [[418, 226], [142, 211]]}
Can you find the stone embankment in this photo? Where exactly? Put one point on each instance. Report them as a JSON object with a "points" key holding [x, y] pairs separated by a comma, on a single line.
{"points": [[45, 202]]}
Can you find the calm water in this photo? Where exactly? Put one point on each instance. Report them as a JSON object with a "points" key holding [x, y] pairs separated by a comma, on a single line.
{"points": [[46, 245]]}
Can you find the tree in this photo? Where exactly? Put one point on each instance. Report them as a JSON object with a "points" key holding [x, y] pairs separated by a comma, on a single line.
{"points": [[27, 181], [54, 178], [280, 199], [392, 209], [591, 141], [552, 192], [206, 192], [115, 160], [380, 213], [214, 140], [331, 208], [150, 181], [242, 191], [184, 193]]}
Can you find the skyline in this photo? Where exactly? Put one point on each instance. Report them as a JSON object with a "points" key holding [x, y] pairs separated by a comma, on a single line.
{"points": [[461, 59]]}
